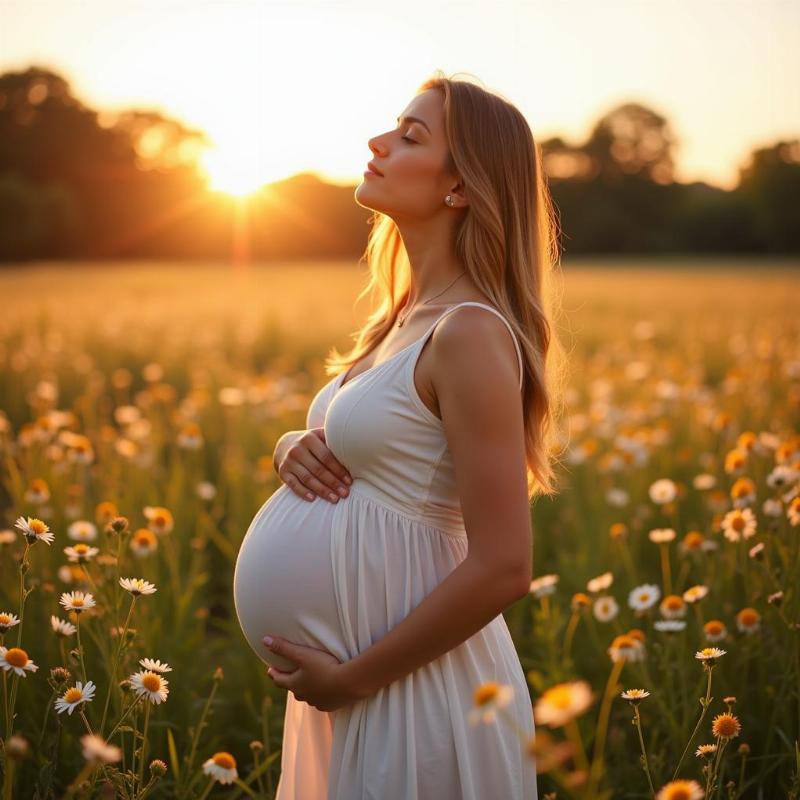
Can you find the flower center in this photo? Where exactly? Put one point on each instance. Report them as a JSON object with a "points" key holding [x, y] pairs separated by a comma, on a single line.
{"points": [[73, 695], [151, 682], [485, 694], [17, 657], [224, 760]]}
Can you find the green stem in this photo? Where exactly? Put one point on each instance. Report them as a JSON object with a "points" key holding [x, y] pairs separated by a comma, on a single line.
{"points": [[645, 763], [22, 595], [112, 677], [705, 704], [144, 743], [199, 728], [124, 714], [80, 648]]}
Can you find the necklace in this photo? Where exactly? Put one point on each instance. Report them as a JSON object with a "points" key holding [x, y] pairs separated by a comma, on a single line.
{"points": [[401, 317]]}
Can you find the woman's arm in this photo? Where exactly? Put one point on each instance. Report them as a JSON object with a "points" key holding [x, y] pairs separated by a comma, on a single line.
{"points": [[476, 377]]}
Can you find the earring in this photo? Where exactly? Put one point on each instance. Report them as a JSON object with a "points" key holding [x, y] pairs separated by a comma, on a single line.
{"points": [[449, 200]]}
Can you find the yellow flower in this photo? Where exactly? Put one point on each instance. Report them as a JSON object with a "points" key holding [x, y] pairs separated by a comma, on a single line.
{"points": [[739, 524], [77, 601], [672, 607], [725, 726], [705, 750], [488, 698], [159, 519], [709, 655], [150, 684], [16, 659], [580, 601], [81, 552], [634, 696], [74, 696], [695, 593], [7, 620], [137, 586], [748, 620], [222, 767], [562, 703], [681, 790], [35, 530], [626, 647], [143, 542], [715, 630]]}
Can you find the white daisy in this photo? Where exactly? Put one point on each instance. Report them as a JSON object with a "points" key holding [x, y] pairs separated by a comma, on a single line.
{"points": [[74, 696], [7, 620], [488, 697], [562, 703], [222, 767], [635, 695], [81, 552], [82, 530], [16, 659], [155, 666], [61, 627], [709, 654], [704, 481], [137, 586], [601, 582], [695, 593], [605, 608], [644, 597], [663, 491], [543, 585], [150, 684], [95, 748], [35, 530], [77, 601], [669, 625], [661, 535], [740, 523]]}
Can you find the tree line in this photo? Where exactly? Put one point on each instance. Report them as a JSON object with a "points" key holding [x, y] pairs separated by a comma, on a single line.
{"points": [[78, 183]]}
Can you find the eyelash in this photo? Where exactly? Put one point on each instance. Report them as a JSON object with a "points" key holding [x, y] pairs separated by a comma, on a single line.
{"points": [[409, 140]]}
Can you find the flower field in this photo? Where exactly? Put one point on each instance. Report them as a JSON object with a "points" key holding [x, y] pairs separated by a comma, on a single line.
{"points": [[139, 407]]}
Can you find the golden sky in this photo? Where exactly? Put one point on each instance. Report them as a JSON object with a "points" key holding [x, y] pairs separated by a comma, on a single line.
{"points": [[301, 85]]}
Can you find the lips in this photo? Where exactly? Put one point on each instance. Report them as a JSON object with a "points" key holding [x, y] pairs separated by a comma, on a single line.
{"points": [[372, 168]]}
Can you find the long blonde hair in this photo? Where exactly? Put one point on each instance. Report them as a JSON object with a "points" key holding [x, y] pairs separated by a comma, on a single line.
{"points": [[508, 244]]}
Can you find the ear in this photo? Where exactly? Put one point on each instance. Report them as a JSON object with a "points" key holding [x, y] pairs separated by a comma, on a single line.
{"points": [[459, 196]]}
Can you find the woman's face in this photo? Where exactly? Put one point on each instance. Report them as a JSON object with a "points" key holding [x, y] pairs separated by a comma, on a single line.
{"points": [[412, 160]]}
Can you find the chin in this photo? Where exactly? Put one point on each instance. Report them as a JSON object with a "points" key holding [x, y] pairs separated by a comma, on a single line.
{"points": [[362, 198]]}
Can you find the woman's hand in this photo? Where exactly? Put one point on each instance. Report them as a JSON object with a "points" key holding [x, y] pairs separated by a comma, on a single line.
{"points": [[319, 678], [306, 465]]}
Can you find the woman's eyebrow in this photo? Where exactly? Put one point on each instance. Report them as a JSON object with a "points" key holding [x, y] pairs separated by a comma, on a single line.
{"points": [[414, 119]]}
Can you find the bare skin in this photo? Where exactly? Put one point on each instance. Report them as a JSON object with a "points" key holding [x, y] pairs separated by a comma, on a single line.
{"points": [[467, 375]]}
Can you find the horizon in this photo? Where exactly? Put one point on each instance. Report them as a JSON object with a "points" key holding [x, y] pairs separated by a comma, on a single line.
{"points": [[756, 49]]}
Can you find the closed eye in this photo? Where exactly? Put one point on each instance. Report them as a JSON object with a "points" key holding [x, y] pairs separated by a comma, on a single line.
{"points": [[409, 140]]}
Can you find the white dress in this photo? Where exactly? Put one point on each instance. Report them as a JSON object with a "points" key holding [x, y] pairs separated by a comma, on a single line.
{"points": [[339, 576]]}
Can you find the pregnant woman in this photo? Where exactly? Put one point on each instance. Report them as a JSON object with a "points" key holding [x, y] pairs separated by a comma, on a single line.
{"points": [[381, 567]]}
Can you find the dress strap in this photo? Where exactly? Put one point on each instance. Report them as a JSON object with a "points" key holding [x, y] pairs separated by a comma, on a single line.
{"points": [[496, 313]]}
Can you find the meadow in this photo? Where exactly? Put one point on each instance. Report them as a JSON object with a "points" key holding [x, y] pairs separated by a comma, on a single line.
{"points": [[139, 407]]}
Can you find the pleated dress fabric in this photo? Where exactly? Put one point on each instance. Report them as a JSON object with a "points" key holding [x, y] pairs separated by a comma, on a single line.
{"points": [[396, 536]]}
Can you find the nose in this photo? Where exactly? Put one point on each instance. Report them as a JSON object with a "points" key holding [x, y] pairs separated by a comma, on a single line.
{"points": [[376, 147]]}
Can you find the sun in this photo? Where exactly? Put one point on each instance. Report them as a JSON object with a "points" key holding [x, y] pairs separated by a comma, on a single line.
{"points": [[232, 173]]}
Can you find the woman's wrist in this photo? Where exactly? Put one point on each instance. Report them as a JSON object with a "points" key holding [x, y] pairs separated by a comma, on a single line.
{"points": [[352, 683]]}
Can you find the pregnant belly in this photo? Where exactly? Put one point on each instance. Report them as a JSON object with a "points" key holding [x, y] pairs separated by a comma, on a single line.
{"points": [[283, 580]]}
